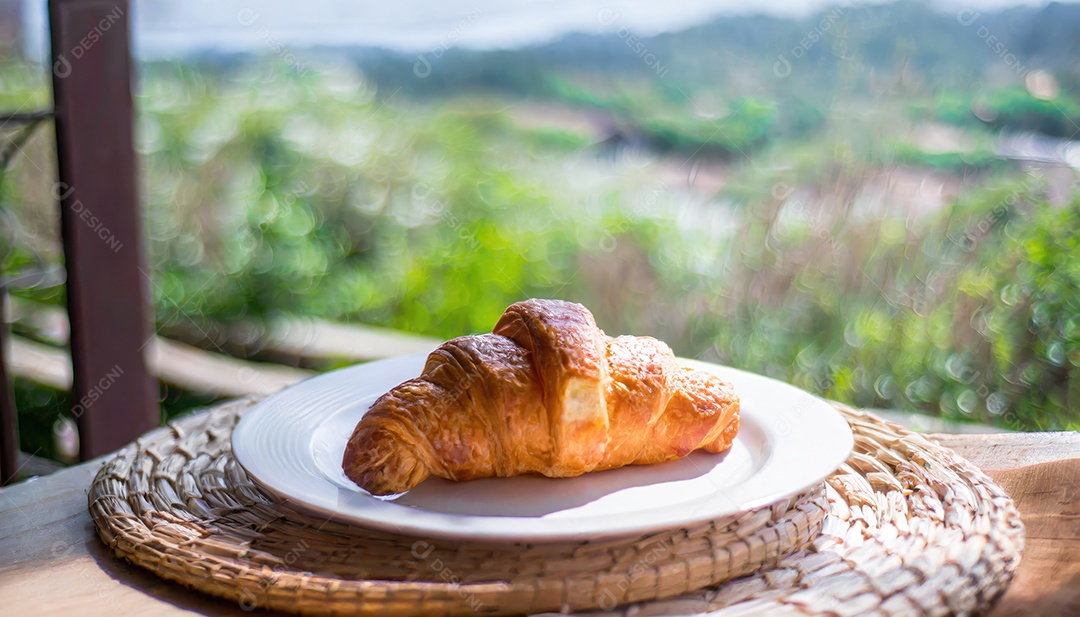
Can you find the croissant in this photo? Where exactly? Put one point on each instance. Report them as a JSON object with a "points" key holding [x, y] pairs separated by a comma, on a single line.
{"points": [[547, 392]]}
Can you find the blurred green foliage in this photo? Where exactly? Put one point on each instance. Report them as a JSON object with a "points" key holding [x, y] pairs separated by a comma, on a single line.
{"points": [[432, 220], [977, 159], [735, 127], [972, 314], [1017, 109], [1012, 108], [259, 204]]}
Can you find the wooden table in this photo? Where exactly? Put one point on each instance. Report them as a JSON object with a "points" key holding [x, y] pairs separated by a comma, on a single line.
{"points": [[52, 563]]}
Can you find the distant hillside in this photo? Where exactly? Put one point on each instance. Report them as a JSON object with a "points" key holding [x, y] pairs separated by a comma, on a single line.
{"points": [[905, 45]]}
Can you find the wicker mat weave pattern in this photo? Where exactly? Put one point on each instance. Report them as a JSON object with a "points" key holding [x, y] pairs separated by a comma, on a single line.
{"points": [[904, 527], [912, 529]]}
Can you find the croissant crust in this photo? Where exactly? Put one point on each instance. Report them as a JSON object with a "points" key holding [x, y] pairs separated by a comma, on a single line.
{"points": [[546, 392]]}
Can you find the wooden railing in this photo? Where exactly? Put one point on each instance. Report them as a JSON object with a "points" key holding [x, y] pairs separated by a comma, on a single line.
{"points": [[291, 342], [39, 355]]}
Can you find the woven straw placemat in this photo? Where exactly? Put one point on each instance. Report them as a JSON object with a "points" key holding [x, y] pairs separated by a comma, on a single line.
{"points": [[904, 527]]}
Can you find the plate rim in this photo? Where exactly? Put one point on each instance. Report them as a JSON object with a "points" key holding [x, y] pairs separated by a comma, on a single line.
{"points": [[512, 528]]}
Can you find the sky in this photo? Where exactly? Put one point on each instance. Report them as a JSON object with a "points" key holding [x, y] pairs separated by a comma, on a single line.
{"points": [[167, 27]]}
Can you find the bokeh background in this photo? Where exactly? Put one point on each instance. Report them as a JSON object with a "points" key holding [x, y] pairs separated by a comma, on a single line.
{"points": [[877, 203]]}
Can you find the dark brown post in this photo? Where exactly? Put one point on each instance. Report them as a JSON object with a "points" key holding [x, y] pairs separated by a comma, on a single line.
{"points": [[115, 397], [9, 418]]}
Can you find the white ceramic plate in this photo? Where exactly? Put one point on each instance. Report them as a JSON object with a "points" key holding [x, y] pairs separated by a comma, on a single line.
{"points": [[293, 442]]}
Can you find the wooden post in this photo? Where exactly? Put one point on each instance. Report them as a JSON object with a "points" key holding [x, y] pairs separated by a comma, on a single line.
{"points": [[9, 418], [115, 398]]}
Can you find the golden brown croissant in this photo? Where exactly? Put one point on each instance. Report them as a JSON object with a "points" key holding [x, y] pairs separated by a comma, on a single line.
{"points": [[547, 392]]}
